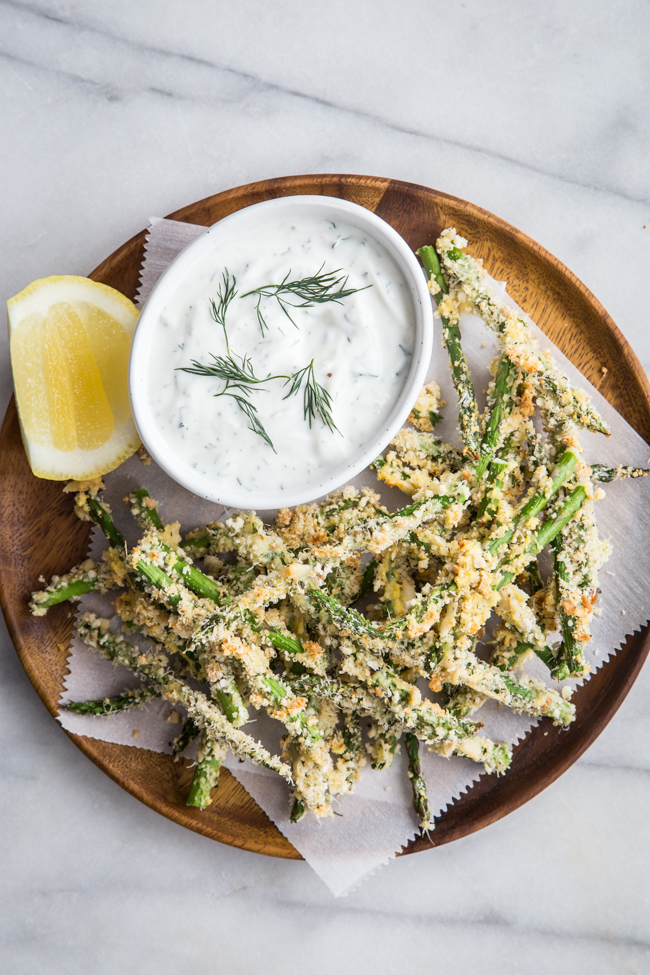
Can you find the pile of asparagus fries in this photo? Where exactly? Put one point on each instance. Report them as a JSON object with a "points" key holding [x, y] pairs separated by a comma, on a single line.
{"points": [[332, 618]]}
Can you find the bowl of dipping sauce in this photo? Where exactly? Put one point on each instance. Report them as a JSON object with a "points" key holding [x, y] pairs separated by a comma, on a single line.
{"points": [[280, 352]]}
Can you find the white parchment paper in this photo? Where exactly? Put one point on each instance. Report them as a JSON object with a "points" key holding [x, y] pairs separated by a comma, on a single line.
{"points": [[370, 826]]}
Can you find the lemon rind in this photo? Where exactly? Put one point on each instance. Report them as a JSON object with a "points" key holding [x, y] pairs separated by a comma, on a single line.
{"points": [[69, 287], [57, 465]]}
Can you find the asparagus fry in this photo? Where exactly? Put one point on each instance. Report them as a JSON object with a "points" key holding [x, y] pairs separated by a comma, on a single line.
{"points": [[418, 782], [501, 403], [429, 723], [206, 773], [114, 705], [190, 731], [148, 571], [601, 472], [83, 578], [521, 347], [145, 510], [467, 408], [96, 634], [61, 589]]}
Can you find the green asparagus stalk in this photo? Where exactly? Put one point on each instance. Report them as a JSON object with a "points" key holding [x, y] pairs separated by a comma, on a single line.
{"points": [[206, 772], [570, 661], [470, 275], [234, 707], [430, 724], [73, 585], [100, 513], [524, 695], [487, 508], [418, 782], [501, 405], [601, 472], [467, 408], [154, 578], [538, 501], [195, 580], [284, 642], [114, 705], [145, 510], [189, 732], [578, 553], [547, 532], [197, 544], [97, 635]]}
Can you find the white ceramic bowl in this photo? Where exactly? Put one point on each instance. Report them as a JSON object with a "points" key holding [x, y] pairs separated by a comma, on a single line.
{"points": [[246, 219]]}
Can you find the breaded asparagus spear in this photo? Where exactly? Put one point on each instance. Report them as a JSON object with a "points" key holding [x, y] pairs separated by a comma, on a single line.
{"points": [[96, 633], [114, 705], [520, 346], [418, 781], [450, 318]]}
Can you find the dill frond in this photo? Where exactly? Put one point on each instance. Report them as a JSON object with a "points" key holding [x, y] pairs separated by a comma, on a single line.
{"points": [[316, 399], [237, 374], [225, 294], [255, 424], [314, 290]]}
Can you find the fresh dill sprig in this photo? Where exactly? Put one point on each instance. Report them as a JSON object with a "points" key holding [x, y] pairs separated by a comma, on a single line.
{"points": [[235, 374], [239, 375], [255, 424], [225, 293], [316, 400], [314, 290]]}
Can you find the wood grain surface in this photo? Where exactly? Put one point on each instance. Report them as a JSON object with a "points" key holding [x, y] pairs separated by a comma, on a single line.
{"points": [[39, 533]]}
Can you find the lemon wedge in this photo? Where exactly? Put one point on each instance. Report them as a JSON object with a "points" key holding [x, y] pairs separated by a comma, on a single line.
{"points": [[70, 339]]}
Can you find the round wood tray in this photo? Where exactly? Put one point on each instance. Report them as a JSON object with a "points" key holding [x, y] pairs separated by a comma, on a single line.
{"points": [[39, 534]]}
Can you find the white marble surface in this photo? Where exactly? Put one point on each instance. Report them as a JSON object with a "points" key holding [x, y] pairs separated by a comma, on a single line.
{"points": [[113, 111]]}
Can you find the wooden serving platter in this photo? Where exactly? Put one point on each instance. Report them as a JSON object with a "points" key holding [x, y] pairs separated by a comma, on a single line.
{"points": [[39, 534]]}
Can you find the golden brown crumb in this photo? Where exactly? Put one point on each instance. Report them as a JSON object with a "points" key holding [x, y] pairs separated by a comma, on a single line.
{"points": [[91, 486], [143, 455], [284, 517]]}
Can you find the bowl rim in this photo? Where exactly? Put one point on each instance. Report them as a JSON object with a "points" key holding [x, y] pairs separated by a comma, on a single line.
{"points": [[414, 277]]}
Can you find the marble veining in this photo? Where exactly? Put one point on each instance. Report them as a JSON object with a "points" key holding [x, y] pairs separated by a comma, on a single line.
{"points": [[113, 112], [88, 26]]}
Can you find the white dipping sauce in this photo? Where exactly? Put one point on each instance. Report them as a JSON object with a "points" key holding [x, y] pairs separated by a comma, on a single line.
{"points": [[362, 351]]}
